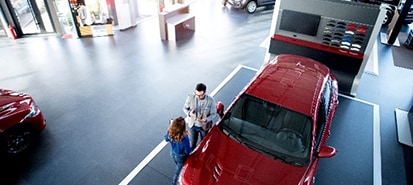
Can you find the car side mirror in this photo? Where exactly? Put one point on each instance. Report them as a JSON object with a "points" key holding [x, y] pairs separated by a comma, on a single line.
{"points": [[327, 151], [220, 108]]}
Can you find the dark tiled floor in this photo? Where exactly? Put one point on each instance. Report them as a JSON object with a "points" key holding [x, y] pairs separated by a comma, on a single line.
{"points": [[107, 99]]}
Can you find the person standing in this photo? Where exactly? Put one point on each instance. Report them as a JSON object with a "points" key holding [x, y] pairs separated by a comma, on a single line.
{"points": [[201, 113], [177, 137]]}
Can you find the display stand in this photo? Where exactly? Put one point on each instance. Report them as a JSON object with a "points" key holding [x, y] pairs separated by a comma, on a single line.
{"points": [[187, 21], [404, 126], [384, 40], [173, 16], [341, 39], [96, 30], [396, 25]]}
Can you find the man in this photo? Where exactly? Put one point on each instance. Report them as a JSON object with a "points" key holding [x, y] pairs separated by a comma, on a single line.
{"points": [[201, 113]]}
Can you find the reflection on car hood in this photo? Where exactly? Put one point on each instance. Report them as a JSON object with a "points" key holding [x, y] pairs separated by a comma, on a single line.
{"points": [[218, 161], [9, 96], [12, 103], [291, 82]]}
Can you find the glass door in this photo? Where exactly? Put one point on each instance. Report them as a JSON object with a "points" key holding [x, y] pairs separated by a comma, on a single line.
{"points": [[2, 26], [2, 31], [32, 16], [65, 16]]}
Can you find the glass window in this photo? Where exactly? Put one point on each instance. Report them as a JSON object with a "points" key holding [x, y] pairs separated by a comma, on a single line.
{"points": [[2, 27], [32, 16]]}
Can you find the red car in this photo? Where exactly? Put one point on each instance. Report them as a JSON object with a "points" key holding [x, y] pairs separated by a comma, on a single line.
{"points": [[274, 131], [20, 121]]}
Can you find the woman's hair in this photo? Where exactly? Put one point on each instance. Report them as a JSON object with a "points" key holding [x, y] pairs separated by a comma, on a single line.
{"points": [[177, 129]]}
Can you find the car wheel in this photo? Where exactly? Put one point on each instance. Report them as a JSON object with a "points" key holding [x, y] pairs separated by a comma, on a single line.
{"points": [[389, 16], [18, 139], [251, 6]]}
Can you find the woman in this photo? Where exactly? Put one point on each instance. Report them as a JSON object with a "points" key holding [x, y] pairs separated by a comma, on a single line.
{"points": [[180, 149]]}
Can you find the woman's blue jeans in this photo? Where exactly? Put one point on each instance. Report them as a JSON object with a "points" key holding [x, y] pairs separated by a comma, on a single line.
{"points": [[179, 160]]}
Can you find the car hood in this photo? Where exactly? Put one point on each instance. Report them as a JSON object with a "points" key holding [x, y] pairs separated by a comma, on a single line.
{"points": [[9, 96], [221, 160], [12, 103]]}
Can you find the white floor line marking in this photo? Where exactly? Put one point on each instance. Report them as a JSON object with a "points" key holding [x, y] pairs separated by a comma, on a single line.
{"points": [[229, 77], [163, 143], [142, 164], [377, 178], [376, 147]]}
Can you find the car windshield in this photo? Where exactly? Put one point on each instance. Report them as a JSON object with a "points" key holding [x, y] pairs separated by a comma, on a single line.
{"points": [[269, 129]]}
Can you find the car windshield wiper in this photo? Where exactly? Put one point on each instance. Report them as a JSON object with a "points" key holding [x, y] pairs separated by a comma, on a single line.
{"points": [[284, 159], [230, 134], [271, 154]]}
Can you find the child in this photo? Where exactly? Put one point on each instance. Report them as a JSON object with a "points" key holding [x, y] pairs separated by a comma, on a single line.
{"points": [[180, 148]]}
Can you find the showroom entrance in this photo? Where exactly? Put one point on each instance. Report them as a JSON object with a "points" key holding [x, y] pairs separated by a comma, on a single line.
{"points": [[31, 16], [36, 17]]}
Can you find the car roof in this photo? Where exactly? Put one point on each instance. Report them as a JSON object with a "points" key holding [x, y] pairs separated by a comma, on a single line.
{"points": [[291, 81]]}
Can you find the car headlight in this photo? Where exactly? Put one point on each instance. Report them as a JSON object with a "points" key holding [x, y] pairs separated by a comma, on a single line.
{"points": [[32, 112]]}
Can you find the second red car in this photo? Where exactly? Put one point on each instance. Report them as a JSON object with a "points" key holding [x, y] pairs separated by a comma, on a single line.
{"points": [[20, 121]]}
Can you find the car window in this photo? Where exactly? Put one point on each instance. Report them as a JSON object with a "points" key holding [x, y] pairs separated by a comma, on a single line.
{"points": [[269, 129], [323, 111]]}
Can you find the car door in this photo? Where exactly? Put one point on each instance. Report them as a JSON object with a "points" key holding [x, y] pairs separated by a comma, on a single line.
{"points": [[265, 2]]}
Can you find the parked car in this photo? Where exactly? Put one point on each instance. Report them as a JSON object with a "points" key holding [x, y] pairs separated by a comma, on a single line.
{"points": [[274, 131], [20, 121], [250, 5]]}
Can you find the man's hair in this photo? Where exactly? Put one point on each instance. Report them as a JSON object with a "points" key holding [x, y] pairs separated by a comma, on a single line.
{"points": [[200, 87]]}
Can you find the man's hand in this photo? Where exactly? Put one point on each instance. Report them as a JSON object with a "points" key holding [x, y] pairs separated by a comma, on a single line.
{"points": [[192, 114], [203, 120]]}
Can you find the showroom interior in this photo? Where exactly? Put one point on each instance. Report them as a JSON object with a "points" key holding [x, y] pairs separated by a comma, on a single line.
{"points": [[109, 82]]}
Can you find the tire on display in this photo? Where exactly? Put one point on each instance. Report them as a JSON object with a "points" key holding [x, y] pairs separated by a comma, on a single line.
{"points": [[251, 6], [18, 139], [409, 17], [389, 15]]}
